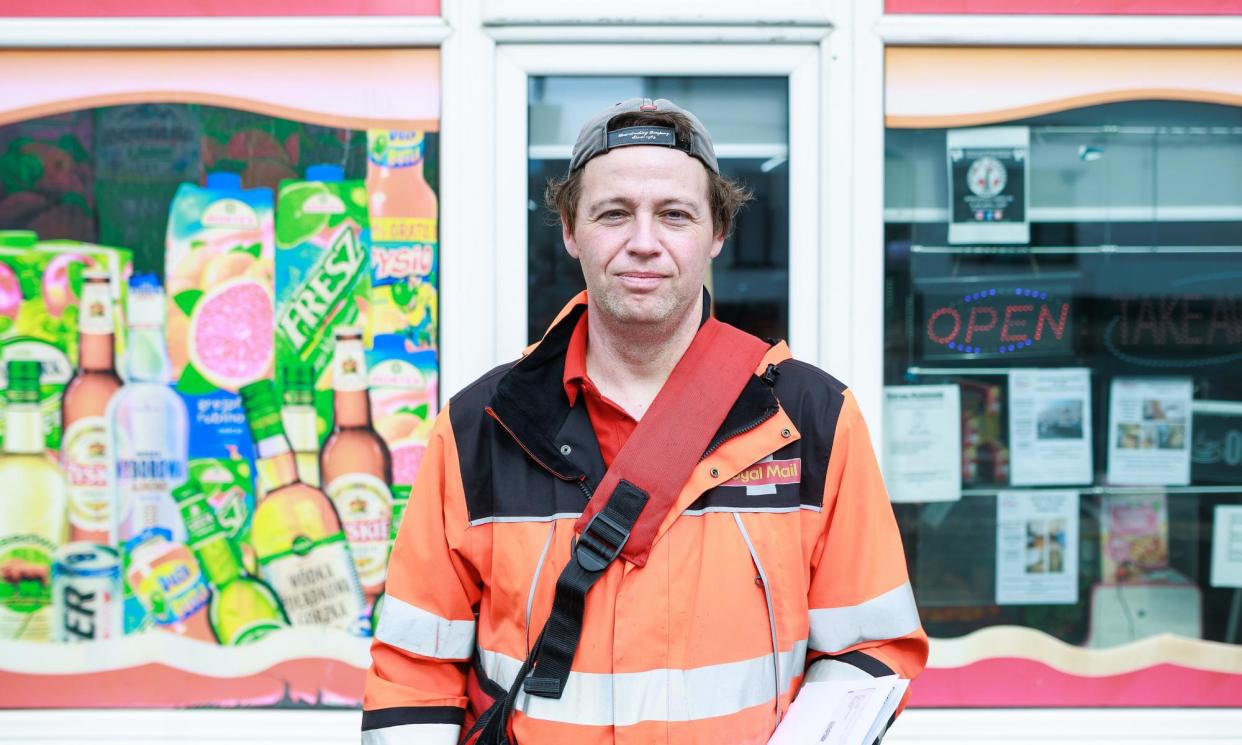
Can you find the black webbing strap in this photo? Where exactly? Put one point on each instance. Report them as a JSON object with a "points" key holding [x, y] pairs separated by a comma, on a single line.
{"points": [[597, 547], [553, 654]]}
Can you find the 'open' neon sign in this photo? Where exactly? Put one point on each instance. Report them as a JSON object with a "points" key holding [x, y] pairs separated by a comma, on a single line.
{"points": [[997, 321]]}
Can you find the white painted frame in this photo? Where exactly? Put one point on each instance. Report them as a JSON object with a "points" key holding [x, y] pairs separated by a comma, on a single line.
{"points": [[516, 63], [487, 46], [914, 727], [655, 12]]}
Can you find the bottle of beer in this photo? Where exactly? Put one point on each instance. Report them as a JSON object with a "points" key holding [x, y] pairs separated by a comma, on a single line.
{"points": [[85, 447], [356, 466]]}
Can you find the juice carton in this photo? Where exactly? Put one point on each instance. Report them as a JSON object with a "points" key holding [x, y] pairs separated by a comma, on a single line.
{"points": [[322, 271], [404, 304], [40, 286], [403, 210], [219, 260], [403, 386]]}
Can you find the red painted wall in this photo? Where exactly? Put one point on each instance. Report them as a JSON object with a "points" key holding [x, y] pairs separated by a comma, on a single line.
{"points": [[212, 8], [1067, 7]]}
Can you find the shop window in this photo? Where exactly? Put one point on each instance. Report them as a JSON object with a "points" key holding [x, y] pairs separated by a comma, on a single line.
{"points": [[1063, 422], [748, 120], [299, 258]]}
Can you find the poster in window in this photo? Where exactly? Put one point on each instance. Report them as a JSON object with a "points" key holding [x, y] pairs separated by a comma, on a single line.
{"points": [[1036, 547], [1050, 426], [1149, 431], [923, 443], [1227, 546], [192, 529], [1134, 537], [989, 184], [1216, 450]]}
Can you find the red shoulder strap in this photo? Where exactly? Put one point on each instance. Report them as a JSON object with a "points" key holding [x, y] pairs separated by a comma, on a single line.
{"points": [[672, 436]]}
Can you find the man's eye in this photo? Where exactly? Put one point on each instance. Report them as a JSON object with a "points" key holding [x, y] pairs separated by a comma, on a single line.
{"points": [[613, 215], [677, 215]]}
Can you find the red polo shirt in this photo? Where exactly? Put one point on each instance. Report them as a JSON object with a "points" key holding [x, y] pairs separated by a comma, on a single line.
{"points": [[611, 423]]}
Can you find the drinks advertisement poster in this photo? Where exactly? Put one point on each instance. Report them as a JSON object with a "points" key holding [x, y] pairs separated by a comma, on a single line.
{"points": [[214, 408], [989, 184]]}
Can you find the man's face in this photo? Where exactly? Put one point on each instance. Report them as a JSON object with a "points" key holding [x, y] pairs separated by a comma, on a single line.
{"points": [[643, 233]]}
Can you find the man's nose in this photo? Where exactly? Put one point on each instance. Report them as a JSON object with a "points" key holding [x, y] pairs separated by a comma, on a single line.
{"points": [[643, 239]]}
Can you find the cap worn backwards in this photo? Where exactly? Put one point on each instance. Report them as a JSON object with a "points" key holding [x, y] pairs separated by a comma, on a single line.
{"points": [[595, 137]]}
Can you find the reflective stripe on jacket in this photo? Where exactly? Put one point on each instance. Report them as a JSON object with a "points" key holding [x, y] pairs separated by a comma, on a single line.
{"points": [[781, 553]]}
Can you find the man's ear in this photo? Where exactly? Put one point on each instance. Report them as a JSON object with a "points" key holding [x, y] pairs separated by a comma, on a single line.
{"points": [[567, 235], [717, 244]]}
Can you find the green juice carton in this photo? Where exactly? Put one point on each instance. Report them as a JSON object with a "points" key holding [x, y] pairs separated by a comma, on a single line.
{"points": [[322, 272], [219, 259], [40, 287]]}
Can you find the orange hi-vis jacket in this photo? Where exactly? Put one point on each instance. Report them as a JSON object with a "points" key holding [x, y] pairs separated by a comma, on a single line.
{"points": [[780, 562]]}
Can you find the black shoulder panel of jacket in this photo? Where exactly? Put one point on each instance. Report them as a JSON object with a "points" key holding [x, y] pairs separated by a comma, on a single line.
{"points": [[812, 399], [518, 415], [473, 429]]}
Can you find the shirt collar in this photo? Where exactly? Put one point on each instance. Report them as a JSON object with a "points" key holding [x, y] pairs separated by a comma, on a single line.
{"points": [[575, 361], [575, 355]]}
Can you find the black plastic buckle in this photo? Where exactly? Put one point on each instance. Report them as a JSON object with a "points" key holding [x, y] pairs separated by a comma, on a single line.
{"points": [[543, 687], [600, 543]]}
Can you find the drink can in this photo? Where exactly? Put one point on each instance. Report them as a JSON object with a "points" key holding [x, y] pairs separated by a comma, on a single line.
{"points": [[86, 592]]}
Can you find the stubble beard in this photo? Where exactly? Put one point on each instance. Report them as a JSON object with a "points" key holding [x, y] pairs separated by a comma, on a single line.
{"points": [[654, 316]]}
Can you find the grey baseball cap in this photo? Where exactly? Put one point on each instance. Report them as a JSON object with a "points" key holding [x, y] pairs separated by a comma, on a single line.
{"points": [[595, 138]]}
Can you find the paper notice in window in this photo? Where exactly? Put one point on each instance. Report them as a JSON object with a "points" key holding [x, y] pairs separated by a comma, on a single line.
{"points": [[1036, 547], [840, 713], [1227, 546], [1050, 427], [923, 443], [1149, 431]]}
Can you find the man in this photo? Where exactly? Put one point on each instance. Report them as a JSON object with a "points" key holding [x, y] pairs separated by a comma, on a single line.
{"points": [[777, 561]]}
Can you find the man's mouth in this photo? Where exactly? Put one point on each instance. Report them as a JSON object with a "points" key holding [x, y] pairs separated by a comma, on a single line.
{"points": [[640, 280]]}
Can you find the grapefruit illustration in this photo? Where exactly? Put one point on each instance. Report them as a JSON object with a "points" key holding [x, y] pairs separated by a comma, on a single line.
{"points": [[231, 334], [56, 290], [10, 293], [406, 458], [224, 267], [176, 327]]}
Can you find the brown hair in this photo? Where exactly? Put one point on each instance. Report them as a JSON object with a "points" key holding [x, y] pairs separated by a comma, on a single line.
{"points": [[725, 195]]}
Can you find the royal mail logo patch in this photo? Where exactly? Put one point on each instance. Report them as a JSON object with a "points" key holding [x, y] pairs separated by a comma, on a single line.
{"points": [[769, 473]]}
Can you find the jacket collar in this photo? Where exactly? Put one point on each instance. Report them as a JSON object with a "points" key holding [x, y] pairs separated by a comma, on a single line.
{"points": [[530, 403]]}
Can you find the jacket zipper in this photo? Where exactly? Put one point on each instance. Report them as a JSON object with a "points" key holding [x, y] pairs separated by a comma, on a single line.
{"points": [[739, 431], [534, 457]]}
